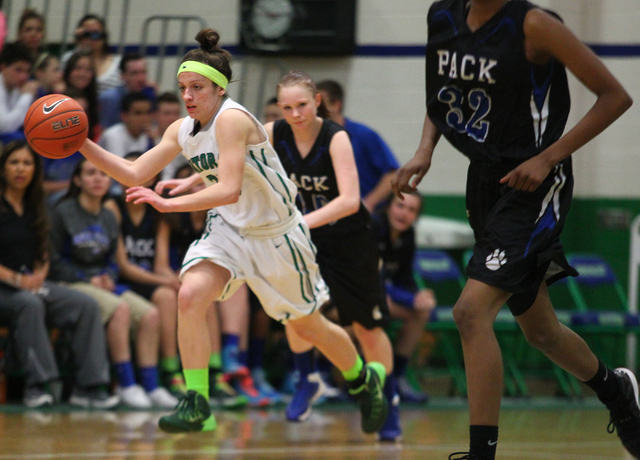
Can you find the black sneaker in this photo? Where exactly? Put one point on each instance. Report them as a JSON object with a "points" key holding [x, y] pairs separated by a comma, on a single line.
{"points": [[96, 398], [465, 456], [192, 414], [625, 412], [370, 397]]}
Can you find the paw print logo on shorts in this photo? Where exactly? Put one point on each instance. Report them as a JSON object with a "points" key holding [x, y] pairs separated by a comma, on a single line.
{"points": [[495, 260]]}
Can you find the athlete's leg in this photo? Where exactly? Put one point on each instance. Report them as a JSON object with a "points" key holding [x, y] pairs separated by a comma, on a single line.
{"points": [[201, 285], [332, 340], [375, 344], [618, 389], [474, 314], [559, 343], [365, 383]]}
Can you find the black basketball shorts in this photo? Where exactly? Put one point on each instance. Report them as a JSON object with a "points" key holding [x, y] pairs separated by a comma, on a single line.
{"points": [[518, 233], [349, 266]]}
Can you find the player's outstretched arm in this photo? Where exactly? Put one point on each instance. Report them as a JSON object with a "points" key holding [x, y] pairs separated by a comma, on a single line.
{"points": [[233, 128], [143, 168], [418, 166]]}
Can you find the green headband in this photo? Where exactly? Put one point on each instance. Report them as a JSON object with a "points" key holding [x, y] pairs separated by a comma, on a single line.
{"points": [[206, 71]]}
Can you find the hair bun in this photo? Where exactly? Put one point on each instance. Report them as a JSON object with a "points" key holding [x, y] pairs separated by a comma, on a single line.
{"points": [[208, 39]]}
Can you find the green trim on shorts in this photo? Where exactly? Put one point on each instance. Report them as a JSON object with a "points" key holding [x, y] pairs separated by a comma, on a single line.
{"points": [[229, 283], [195, 258], [310, 285], [295, 261], [311, 245]]}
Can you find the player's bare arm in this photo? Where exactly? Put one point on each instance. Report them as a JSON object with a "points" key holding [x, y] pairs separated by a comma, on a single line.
{"points": [[344, 165], [546, 37], [419, 165]]}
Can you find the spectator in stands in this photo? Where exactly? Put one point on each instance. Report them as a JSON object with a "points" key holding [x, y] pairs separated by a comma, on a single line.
{"points": [[84, 241], [133, 72], [132, 133], [393, 228], [167, 111], [31, 30], [91, 35], [374, 159], [48, 74], [79, 73], [143, 259], [272, 110], [16, 92], [29, 305]]}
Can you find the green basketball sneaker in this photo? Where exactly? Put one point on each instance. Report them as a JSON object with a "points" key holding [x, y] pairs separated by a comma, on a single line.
{"points": [[192, 414], [370, 398]]}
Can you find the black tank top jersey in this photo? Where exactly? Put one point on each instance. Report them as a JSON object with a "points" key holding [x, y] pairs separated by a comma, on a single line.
{"points": [[482, 94], [315, 177], [139, 240]]}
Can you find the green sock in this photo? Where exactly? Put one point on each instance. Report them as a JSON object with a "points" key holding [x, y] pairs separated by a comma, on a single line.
{"points": [[215, 361], [197, 380], [170, 364], [354, 372]]}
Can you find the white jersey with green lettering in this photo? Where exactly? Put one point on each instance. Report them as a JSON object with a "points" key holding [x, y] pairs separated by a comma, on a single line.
{"points": [[267, 196]]}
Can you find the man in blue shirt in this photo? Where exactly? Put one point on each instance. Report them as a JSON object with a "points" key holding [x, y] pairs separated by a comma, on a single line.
{"points": [[133, 71], [374, 160]]}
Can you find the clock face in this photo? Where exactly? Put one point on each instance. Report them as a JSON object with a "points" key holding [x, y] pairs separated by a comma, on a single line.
{"points": [[271, 19]]}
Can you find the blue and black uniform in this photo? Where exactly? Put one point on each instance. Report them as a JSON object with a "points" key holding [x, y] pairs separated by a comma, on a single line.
{"points": [[346, 249], [500, 110], [139, 244]]}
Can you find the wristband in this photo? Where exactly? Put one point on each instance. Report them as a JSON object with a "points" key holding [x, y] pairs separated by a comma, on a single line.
{"points": [[17, 280]]}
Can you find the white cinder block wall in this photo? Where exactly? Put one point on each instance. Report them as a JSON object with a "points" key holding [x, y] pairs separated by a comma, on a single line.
{"points": [[388, 92]]}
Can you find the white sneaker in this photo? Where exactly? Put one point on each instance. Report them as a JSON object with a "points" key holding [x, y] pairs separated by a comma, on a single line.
{"points": [[134, 396], [160, 397]]}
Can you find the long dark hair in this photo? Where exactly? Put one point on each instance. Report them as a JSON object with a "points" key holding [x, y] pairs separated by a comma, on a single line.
{"points": [[33, 197], [74, 191], [90, 92], [298, 77], [210, 53]]}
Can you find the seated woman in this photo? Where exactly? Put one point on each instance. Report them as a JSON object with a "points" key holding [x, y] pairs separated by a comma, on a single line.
{"points": [[143, 259], [29, 305], [393, 228], [84, 241]]}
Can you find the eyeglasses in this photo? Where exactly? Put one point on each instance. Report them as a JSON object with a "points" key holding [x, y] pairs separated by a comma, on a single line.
{"points": [[95, 35]]}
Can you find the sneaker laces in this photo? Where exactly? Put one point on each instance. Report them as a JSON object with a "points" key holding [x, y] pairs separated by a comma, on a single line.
{"points": [[620, 418], [465, 456], [187, 409]]}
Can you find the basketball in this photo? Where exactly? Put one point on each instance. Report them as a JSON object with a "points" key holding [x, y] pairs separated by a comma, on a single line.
{"points": [[56, 126]]}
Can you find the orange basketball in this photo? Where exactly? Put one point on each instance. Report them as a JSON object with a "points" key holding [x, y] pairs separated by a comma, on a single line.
{"points": [[56, 126]]}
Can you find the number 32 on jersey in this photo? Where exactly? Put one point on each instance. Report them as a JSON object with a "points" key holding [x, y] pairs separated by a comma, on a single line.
{"points": [[478, 100]]}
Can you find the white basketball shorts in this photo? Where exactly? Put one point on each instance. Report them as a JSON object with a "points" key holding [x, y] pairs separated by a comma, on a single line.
{"points": [[282, 271]]}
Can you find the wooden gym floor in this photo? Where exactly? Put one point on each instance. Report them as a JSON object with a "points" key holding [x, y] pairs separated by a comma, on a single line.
{"points": [[529, 429]]}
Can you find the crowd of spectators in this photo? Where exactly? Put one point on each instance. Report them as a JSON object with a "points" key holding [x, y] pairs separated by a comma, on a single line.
{"points": [[107, 269]]}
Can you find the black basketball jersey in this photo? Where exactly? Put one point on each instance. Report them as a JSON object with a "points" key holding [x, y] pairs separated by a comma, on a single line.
{"points": [[315, 177], [482, 94], [139, 240]]}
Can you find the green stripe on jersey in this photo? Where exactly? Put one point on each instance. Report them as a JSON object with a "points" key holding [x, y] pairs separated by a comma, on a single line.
{"points": [[259, 165]]}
